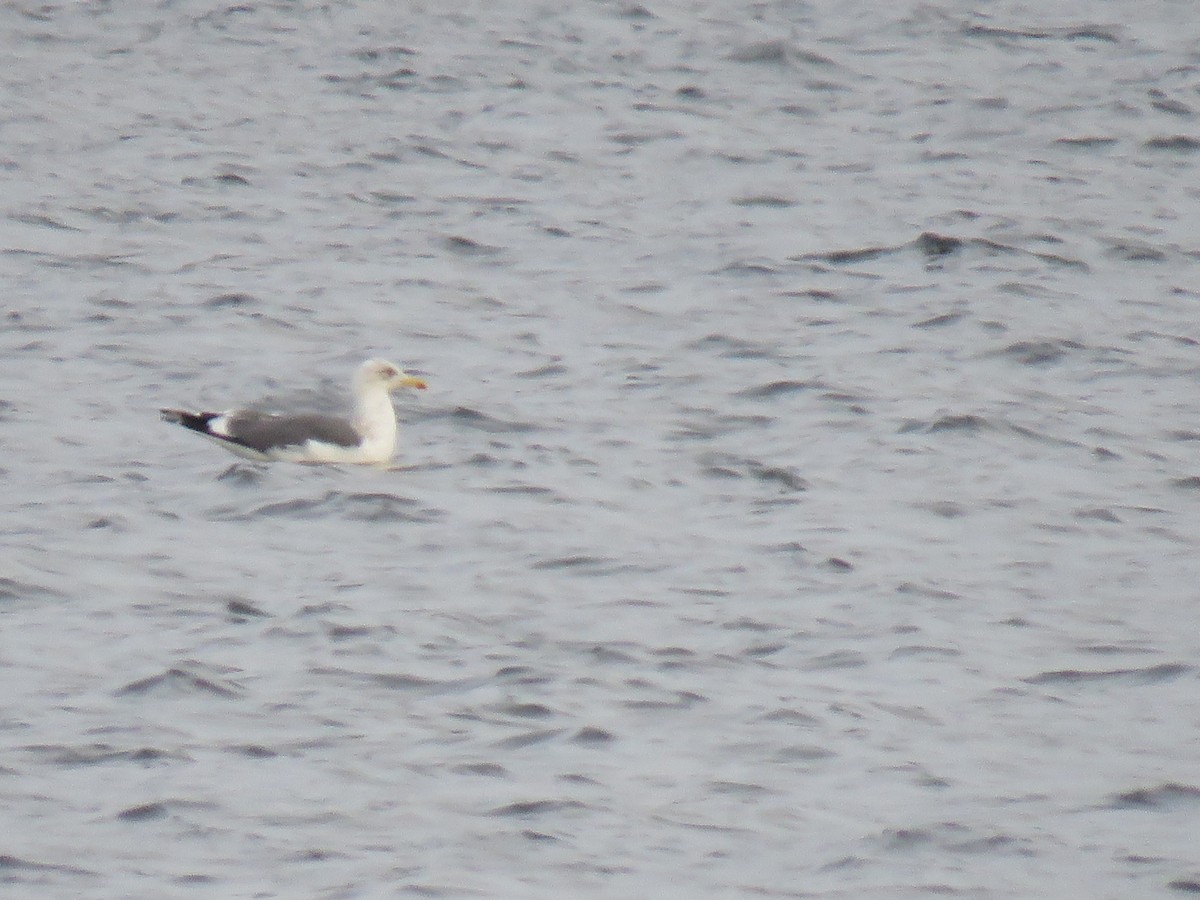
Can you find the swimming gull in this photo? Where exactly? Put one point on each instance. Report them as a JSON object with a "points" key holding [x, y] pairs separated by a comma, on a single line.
{"points": [[368, 437]]}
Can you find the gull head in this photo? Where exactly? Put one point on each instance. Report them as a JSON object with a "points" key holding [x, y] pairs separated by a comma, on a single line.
{"points": [[389, 376]]}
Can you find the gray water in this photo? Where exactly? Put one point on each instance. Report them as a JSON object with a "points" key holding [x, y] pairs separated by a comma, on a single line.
{"points": [[804, 504]]}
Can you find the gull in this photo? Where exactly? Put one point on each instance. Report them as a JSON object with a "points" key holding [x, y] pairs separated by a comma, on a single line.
{"points": [[369, 436]]}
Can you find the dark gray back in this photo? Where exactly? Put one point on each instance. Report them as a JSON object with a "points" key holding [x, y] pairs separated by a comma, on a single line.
{"points": [[263, 431]]}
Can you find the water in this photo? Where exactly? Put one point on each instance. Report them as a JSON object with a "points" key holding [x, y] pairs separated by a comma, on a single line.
{"points": [[804, 502]]}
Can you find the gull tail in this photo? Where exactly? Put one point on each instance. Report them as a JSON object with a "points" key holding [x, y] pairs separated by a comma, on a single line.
{"points": [[194, 421]]}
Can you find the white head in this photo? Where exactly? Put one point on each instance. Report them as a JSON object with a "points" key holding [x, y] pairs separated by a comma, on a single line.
{"points": [[381, 373]]}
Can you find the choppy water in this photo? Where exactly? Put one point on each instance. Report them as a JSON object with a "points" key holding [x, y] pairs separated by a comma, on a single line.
{"points": [[805, 502]]}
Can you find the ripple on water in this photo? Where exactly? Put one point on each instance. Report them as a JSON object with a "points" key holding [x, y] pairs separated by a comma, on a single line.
{"points": [[392, 681], [963, 423], [1039, 353], [360, 506], [953, 837], [77, 755], [581, 563], [183, 680], [528, 738], [525, 809], [241, 610], [1081, 677], [593, 736], [16, 589], [731, 466], [774, 389], [480, 421], [731, 347], [19, 869], [1167, 797], [144, 812]]}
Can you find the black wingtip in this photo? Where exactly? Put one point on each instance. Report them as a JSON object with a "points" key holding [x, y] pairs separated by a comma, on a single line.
{"points": [[194, 421]]}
